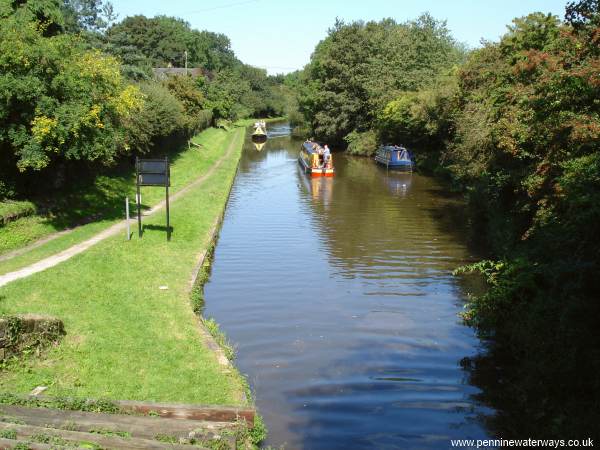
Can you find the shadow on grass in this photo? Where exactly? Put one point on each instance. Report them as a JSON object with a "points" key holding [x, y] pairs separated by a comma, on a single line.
{"points": [[163, 228], [92, 192]]}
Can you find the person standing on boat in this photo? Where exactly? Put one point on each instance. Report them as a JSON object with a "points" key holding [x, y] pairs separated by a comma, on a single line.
{"points": [[326, 155], [320, 156]]}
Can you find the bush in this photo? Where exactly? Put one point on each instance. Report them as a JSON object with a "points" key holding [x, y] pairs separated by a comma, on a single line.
{"points": [[162, 115], [186, 90], [364, 144]]}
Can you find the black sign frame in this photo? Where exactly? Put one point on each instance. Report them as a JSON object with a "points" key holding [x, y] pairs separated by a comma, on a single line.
{"points": [[152, 172]]}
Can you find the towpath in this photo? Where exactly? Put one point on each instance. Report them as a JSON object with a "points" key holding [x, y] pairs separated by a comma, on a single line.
{"points": [[68, 253]]}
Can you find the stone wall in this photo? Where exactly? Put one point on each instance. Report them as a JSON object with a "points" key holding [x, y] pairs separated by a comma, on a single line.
{"points": [[28, 332]]}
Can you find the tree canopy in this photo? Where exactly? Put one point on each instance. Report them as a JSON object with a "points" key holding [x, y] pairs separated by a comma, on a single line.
{"points": [[162, 42], [360, 67], [58, 100]]}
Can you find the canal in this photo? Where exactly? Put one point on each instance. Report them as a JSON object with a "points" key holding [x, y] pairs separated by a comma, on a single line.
{"points": [[339, 298]]}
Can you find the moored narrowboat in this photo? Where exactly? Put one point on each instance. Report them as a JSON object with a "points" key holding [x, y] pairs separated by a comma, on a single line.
{"points": [[316, 160], [395, 157]]}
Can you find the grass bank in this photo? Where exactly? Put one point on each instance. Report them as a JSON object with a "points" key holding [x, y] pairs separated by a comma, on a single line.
{"points": [[104, 198], [126, 337]]}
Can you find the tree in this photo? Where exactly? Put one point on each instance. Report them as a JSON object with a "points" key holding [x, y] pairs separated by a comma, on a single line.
{"points": [[58, 100], [161, 116], [533, 32], [583, 13], [162, 41], [47, 12], [186, 90], [526, 145], [360, 67], [87, 15]]}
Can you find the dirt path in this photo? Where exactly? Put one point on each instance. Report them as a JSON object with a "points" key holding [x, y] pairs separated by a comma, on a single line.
{"points": [[56, 259]]}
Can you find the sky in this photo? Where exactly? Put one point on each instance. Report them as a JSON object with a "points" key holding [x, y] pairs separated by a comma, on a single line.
{"points": [[280, 35]]}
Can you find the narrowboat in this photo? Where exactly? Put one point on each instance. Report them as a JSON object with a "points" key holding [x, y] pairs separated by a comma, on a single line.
{"points": [[395, 157], [316, 160], [259, 134]]}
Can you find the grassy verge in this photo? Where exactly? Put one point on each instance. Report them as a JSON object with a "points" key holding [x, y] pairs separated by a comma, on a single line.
{"points": [[188, 165], [127, 338]]}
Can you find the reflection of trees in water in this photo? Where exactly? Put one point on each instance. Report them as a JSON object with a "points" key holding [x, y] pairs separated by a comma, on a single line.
{"points": [[365, 212], [532, 400], [382, 227], [254, 158], [371, 217]]}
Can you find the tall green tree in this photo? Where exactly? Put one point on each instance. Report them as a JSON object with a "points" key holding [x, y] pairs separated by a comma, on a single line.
{"points": [[163, 41], [360, 67]]}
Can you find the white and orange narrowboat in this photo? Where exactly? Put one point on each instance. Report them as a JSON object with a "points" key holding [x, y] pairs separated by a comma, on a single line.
{"points": [[315, 161]]}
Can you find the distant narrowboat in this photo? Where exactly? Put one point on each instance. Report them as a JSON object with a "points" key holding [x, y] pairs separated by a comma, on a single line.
{"points": [[395, 157], [316, 160], [259, 134]]}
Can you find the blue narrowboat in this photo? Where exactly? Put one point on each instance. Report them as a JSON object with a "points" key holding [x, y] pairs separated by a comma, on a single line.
{"points": [[395, 157]]}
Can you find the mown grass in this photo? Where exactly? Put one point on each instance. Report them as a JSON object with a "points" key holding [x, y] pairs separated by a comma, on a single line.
{"points": [[104, 197], [126, 338], [189, 164]]}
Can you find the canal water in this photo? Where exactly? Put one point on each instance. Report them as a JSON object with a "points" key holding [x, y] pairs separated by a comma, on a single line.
{"points": [[339, 299]]}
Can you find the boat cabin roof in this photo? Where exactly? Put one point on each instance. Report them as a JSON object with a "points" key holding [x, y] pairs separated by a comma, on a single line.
{"points": [[393, 148], [311, 146]]}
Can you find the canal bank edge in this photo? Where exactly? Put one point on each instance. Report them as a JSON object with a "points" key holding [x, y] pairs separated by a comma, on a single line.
{"points": [[213, 338], [195, 291]]}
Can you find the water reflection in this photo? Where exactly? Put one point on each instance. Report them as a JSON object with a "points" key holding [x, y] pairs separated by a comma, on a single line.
{"points": [[320, 189], [339, 296], [278, 130], [397, 182]]}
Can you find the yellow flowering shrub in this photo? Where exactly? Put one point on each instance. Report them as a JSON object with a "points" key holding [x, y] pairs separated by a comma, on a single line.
{"points": [[42, 127]]}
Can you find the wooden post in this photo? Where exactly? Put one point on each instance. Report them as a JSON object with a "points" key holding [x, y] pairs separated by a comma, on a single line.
{"points": [[127, 218], [139, 197], [167, 197]]}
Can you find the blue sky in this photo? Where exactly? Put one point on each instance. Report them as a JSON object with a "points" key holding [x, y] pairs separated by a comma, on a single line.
{"points": [[281, 35]]}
